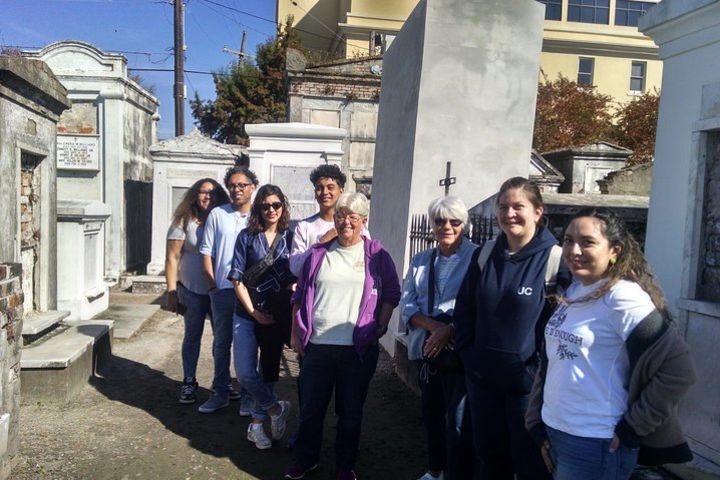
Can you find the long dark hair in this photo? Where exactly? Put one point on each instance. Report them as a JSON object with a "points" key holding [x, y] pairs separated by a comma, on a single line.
{"points": [[630, 264], [188, 209], [255, 222]]}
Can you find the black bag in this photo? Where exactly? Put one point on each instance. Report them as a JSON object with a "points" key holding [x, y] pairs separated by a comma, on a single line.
{"points": [[252, 276], [447, 360]]}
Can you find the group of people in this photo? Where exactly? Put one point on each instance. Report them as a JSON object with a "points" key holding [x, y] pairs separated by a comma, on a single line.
{"points": [[539, 361], [325, 288], [534, 360]]}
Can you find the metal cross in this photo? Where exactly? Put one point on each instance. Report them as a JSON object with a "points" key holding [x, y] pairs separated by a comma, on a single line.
{"points": [[448, 180]]}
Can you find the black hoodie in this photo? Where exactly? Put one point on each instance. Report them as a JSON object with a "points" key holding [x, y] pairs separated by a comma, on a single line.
{"points": [[500, 312]]}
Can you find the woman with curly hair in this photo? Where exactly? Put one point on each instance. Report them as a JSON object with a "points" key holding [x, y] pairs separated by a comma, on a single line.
{"points": [[262, 280], [606, 393], [187, 287]]}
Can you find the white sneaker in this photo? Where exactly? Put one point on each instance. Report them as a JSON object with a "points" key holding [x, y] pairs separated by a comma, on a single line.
{"points": [[256, 434], [278, 423], [429, 476]]}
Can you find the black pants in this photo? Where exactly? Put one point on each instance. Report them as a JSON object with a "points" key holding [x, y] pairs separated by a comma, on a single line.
{"points": [[328, 368], [447, 422], [272, 338], [503, 447]]}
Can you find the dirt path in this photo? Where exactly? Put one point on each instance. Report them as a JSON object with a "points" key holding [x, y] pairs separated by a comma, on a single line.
{"points": [[128, 425]]}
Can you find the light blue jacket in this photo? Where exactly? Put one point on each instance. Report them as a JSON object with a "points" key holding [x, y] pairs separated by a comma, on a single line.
{"points": [[415, 293]]}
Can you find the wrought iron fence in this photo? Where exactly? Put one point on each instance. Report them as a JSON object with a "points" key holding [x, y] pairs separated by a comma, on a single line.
{"points": [[479, 230]]}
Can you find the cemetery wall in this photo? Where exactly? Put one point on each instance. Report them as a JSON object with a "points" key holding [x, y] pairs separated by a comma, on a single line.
{"points": [[628, 181], [11, 314]]}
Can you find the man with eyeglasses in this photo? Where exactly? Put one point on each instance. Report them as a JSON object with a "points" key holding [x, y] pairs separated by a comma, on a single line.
{"points": [[218, 246]]}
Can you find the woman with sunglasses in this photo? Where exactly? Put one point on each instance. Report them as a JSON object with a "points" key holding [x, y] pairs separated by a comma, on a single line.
{"points": [[428, 303], [345, 295], [187, 287], [262, 280], [499, 318]]}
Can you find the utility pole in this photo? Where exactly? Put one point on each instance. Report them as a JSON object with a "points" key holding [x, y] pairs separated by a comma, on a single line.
{"points": [[240, 54], [179, 87]]}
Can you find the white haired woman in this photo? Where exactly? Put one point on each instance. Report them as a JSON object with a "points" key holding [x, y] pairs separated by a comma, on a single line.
{"points": [[428, 303], [345, 295]]}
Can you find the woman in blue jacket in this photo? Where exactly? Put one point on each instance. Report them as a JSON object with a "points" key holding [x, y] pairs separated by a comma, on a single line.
{"points": [[499, 316]]}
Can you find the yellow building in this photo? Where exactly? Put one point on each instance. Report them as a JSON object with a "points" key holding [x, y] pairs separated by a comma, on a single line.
{"points": [[592, 41]]}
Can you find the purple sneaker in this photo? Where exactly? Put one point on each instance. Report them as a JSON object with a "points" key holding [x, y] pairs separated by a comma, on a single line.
{"points": [[296, 472]]}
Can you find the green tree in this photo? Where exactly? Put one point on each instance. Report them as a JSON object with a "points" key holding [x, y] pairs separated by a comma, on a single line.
{"points": [[636, 126], [247, 93], [568, 114]]}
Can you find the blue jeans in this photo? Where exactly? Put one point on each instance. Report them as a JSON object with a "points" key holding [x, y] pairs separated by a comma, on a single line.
{"points": [[245, 351], [223, 307], [197, 308], [326, 368], [588, 458]]}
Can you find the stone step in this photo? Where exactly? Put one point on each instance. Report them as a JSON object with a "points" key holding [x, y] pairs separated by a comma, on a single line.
{"points": [[147, 284], [127, 318], [37, 323], [58, 366]]}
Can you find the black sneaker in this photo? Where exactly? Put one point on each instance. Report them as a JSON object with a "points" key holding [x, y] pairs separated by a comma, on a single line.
{"points": [[187, 392]]}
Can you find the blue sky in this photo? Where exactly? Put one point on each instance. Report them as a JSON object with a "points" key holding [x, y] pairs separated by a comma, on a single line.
{"points": [[145, 26]]}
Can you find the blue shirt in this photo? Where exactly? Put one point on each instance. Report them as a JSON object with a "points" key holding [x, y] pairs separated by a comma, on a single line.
{"points": [[251, 248], [415, 290], [221, 230]]}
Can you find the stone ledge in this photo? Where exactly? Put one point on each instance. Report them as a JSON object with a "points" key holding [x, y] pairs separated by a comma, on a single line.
{"points": [[62, 349], [35, 323], [127, 318]]}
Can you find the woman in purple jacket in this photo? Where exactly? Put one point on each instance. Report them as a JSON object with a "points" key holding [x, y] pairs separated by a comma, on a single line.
{"points": [[344, 298]]}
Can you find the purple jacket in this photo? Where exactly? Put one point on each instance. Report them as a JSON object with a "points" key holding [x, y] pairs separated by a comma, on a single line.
{"points": [[381, 286]]}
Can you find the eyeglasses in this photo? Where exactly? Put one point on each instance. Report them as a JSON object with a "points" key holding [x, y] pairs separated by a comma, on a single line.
{"points": [[455, 223], [353, 217], [267, 206], [238, 186]]}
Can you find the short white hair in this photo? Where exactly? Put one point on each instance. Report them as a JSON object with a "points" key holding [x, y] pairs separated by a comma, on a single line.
{"points": [[355, 202], [452, 208]]}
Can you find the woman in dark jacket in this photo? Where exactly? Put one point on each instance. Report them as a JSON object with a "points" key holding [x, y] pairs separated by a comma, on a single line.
{"points": [[262, 312], [614, 370], [498, 315]]}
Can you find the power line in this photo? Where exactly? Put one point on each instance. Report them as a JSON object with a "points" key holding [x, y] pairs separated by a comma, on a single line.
{"points": [[263, 19]]}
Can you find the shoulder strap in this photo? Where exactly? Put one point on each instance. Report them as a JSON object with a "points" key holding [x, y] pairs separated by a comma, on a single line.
{"points": [[431, 282], [253, 274], [553, 265], [485, 252]]}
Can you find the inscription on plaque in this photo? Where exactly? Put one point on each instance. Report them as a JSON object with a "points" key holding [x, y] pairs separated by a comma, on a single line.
{"points": [[78, 152]]}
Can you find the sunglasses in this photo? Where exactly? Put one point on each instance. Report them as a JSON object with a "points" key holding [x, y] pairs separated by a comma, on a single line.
{"points": [[439, 222], [267, 206]]}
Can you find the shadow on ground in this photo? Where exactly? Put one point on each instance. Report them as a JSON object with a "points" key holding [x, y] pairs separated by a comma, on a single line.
{"points": [[391, 444]]}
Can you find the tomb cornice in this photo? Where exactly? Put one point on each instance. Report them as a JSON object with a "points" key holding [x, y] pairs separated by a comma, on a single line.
{"points": [[31, 83]]}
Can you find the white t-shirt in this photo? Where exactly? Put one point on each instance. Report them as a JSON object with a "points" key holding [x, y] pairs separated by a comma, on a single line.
{"points": [[338, 293], [588, 368], [190, 272]]}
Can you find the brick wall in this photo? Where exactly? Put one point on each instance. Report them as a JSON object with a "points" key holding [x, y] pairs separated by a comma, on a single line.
{"points": [[338, 89], [11, 314]]}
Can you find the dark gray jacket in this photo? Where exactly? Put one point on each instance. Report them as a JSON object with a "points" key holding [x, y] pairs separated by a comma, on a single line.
{"points": [[661, 371]]}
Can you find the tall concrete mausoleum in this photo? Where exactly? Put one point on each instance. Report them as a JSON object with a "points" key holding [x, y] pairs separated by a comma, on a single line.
{"points": [[104, 158], [459, 85]]}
